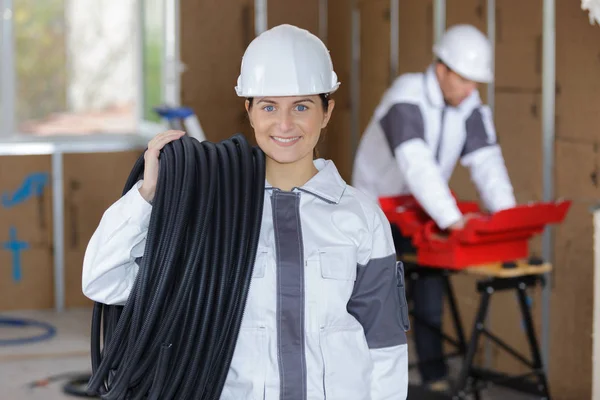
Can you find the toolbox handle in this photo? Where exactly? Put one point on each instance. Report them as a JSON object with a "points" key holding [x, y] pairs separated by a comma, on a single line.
{"points": [[432, 232]]}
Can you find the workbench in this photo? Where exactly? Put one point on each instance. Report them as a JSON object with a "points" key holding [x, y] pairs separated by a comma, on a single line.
{"points": [[517, 276]]}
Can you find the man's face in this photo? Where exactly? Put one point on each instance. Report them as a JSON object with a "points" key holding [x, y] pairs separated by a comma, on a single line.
{"points": [[454, 87]]}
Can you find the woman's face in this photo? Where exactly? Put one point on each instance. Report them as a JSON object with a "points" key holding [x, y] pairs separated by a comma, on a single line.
{"points": [[287, 129]]}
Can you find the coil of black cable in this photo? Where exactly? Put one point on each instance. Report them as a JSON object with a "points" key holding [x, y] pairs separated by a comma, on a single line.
{"points": [[175, 336]]}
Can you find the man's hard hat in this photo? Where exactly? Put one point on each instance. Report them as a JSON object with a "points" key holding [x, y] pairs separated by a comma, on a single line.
{"points": [[465, 50], [286, 61]]}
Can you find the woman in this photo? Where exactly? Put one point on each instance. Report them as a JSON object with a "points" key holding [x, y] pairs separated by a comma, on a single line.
{"points": [[324, 314]]}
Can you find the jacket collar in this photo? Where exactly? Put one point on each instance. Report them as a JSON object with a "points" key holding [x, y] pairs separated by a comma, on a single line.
{"points": [[432, 88], [326, 185]]}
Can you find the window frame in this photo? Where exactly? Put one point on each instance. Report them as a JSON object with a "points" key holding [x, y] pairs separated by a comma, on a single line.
{"points": [[170, 84]]}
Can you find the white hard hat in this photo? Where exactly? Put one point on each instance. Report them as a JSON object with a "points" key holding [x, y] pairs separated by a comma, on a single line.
{"points": [[286, 61], [465, 50]]}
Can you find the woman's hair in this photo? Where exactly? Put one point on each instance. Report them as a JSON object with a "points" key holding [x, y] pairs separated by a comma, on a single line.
{"points": [[324, 101]]}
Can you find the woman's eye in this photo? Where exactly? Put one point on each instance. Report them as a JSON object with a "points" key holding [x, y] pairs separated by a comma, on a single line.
{"points": [[268, 108], [300, 107]]}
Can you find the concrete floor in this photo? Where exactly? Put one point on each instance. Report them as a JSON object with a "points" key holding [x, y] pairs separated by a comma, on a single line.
{"points": [[68, 353]]}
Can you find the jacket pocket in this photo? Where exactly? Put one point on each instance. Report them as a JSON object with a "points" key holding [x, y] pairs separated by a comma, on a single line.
{"points": [[347, 364], [337, 268], [338, 263], [257, 300], [247, 373], [400, 283]]}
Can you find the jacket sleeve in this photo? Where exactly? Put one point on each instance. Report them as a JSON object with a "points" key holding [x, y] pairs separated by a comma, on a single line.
{"points": [[109, 264], [404, 129], [483, 156], [379, 304]]}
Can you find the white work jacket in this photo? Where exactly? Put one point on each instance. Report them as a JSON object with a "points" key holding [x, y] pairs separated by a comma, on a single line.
{"points": [[324, 314], [414, 140]]}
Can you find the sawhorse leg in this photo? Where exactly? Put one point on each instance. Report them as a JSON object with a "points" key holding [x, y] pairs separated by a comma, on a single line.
{"points": [[470, 374], [538, 366], [465, 379]]}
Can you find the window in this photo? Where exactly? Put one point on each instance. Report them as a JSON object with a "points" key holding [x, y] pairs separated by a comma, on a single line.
{"points": [[153, 49], [86, 66]]}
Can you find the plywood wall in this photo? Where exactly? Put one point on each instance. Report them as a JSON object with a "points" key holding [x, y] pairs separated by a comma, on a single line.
{"points": [[214, 35], [518, 107], [92, 182], [518, 122], [26, 272], [576, 177], [336, 138]]}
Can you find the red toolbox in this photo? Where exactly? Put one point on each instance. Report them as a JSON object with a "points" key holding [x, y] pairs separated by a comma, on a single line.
{"points": [[503, 236], [407, 214]]}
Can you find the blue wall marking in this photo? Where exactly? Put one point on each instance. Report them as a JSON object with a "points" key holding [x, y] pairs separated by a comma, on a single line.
{"points": [[33, 186], [15, 247]]}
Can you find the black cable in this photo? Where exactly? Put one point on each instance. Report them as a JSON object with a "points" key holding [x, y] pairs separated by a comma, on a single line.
{"points": [[76, 387], [175, 336]]}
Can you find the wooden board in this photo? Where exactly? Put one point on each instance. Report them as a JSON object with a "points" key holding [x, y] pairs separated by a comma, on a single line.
{"points": [[416, 35], [498, 271], [572, 302], [214, 36], [495, 270], [92, 183], [304, 14], [335, 141]]}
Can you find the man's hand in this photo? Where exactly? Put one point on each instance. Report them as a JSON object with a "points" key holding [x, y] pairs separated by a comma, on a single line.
{"points": [[460, 224]]}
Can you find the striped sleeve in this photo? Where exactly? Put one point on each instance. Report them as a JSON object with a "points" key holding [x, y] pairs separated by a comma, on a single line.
{"points": [[483, 156], [379, 304]]}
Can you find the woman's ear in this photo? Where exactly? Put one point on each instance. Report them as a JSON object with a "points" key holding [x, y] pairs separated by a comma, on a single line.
{"points": [[247, 104], [327, 117]]}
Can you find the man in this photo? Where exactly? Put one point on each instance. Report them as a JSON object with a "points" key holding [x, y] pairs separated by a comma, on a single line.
{"points": [[424, 124]]}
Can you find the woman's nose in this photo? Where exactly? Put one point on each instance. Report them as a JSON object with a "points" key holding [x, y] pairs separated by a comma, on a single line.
{"points": [[285, 122]]}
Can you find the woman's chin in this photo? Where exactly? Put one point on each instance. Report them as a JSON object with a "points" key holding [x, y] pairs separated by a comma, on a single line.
{"points": [[283, 157]]}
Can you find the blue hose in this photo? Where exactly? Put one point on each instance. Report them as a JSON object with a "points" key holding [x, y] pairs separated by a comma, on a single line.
{"points": [[49, 330]]}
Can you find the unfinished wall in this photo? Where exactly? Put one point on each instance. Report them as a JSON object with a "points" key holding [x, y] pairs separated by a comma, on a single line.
{"points": [[26, 274], [214, 35], [518, 122], [374, 56], [518, 108], [92, 182], [336, 143], [576, 177]]}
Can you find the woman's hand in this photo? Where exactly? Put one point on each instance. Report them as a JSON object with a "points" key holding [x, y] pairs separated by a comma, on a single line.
{"points": [[151, 155]]}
